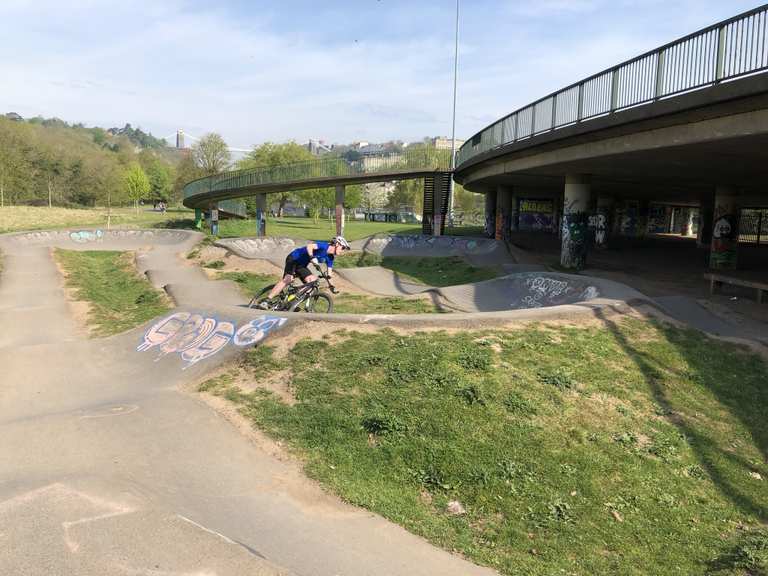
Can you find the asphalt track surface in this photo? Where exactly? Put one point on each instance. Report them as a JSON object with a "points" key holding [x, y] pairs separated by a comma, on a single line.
{"points": [[108, 467]]}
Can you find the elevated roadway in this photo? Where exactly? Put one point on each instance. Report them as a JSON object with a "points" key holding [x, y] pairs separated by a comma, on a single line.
{"points": [[684, 126]]}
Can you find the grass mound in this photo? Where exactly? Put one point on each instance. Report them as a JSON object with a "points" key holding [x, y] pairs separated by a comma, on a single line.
{"points": [[632, 448], [119, 299], [448, 271]]}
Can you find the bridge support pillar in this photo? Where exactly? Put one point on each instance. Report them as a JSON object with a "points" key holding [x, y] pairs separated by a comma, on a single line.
{"points": [[688, 222], [575, 241], [199, 218], [602, 221], [261, 215], [214, 219], [503, 212], [340, 193], [725, 233], [490, 213]]}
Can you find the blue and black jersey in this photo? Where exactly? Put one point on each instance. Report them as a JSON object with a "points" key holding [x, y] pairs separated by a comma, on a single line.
{"points": [[301, 256]]}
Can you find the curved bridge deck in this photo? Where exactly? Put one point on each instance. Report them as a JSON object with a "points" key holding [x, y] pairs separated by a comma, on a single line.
{"points": [[418, 162]]}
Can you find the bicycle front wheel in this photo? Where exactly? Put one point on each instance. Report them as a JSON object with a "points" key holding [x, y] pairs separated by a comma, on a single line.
{"points": [[320, 303]]}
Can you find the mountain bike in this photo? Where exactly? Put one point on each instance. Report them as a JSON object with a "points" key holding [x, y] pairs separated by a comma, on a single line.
{"points": [[295, 297]]}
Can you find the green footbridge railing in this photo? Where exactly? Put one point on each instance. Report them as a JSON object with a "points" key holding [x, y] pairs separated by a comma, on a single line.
{"points": [[413, 162]]}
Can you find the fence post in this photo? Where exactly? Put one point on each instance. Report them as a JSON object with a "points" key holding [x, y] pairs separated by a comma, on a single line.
{"points": [[660, 74], [720, 66], [614, 89]]}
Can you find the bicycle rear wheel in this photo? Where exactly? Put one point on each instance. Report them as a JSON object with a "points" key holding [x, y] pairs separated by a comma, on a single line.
{"points": [[320, 303], [261, 295]]}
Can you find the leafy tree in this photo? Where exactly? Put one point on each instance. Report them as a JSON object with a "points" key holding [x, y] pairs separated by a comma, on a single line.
{"points": [[11, 158], [160, 176], [211, 154], [270, 154], [136, 184], [186, 171]]}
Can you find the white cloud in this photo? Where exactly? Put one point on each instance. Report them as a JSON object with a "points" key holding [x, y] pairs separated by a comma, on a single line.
{"points": [[263, 76]]}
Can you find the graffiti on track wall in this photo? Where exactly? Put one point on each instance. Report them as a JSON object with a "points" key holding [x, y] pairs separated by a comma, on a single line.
{"points": [[195, 337]]}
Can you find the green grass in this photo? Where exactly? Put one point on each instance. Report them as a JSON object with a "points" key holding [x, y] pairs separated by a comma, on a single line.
{"points": [[251, 283], [628, 449], [119, 299], [448, 271], [358, 304], [21, 218]]}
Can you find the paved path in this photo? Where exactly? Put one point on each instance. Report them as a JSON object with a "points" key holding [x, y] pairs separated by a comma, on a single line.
{"points": [[107, 468]]}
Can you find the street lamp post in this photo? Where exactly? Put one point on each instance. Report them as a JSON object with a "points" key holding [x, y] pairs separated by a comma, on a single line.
{"points": [[453, 130]]}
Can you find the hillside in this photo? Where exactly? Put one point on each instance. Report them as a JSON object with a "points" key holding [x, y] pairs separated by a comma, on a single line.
{"points": [[47, 161]]}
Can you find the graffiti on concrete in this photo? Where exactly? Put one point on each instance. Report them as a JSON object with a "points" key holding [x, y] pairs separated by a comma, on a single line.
{"points": [[724, 238], [575, 240], [196, 337], [220, 337], [257, 329], [536, 215], [83, 236], [544, 290]]}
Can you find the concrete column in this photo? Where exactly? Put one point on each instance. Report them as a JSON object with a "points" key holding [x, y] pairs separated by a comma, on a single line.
{"points": [[437, 212], [490, 213], [340, 192], [688, 222], [214, 220], [199, 218], [503, 212], [575, 240], [706, 214], [261, 215], [514, 211], [602, 221], [725, 233]]}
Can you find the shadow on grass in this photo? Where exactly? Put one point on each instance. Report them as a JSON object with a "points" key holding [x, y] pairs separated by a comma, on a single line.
{"points": [[746, 401]]}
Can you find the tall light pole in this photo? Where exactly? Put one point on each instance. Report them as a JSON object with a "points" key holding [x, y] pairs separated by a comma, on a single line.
{"points": [[453, 130]]}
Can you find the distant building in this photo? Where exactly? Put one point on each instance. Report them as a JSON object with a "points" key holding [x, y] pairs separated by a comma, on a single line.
{"points": [[15, 117], [318, 147], [372, 150], [442, 143]]}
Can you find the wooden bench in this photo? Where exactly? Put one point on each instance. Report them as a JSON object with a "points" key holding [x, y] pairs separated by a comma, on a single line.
{"points": [[717, 280]]}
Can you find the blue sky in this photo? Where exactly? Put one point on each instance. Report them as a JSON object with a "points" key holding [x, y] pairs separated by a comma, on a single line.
{"points": [[278, 70]]}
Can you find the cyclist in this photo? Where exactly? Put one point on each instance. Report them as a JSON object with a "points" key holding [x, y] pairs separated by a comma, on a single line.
{"points": [[297, 261]]}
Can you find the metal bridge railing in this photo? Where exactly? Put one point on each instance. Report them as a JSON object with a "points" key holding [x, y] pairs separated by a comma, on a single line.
{"points": [[727, 50], [418, 158]]}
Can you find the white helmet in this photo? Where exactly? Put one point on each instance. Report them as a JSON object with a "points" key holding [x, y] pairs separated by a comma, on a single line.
{"points": [[340, 241]]}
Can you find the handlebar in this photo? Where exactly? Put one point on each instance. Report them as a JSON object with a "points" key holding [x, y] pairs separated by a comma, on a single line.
{"points": [[324, 276]]}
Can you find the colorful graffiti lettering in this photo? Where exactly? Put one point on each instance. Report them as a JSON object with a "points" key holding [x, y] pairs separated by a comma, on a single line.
{"points": [[211, 345], [83, 236], [257, 329], [162, 331], [724, 239], [196, 337]]}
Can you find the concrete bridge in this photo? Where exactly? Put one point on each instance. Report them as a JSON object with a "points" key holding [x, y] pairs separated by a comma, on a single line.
{"points": [[680, 132], [431, 164]]}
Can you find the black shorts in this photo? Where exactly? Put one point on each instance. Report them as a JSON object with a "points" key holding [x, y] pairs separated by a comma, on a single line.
{"points": [[294, 268]]}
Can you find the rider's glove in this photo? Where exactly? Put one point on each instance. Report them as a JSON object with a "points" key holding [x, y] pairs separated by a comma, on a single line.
{"points": [[315, 261]]}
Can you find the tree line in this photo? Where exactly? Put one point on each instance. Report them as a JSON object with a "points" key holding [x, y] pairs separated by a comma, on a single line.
{"points": [[50, 162], [53, 163]]}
